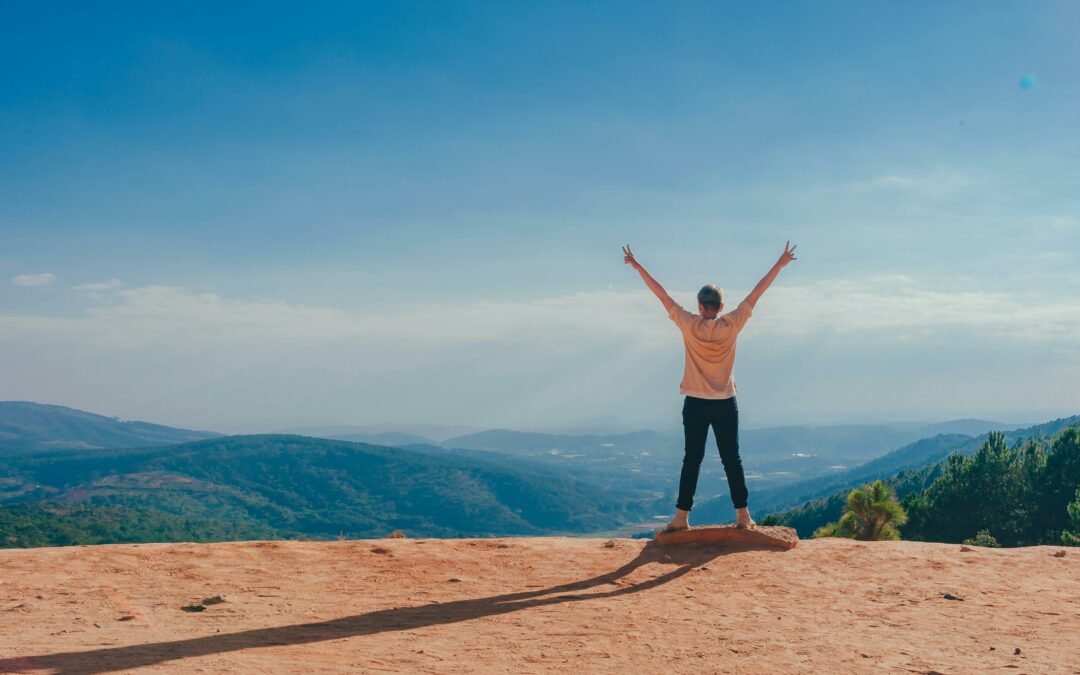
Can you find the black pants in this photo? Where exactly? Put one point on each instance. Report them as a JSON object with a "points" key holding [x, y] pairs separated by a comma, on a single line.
{"points": [[723, 416]]}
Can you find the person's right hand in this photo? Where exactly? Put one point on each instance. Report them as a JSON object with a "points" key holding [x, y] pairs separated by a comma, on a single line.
{"points": [[788, 255], [628, 257]]}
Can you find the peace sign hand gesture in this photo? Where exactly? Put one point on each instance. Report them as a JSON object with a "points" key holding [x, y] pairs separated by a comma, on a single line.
{"points": [[788, 255], [628, 257]]}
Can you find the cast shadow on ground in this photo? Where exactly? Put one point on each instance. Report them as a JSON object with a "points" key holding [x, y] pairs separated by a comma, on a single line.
{"points": [[686, 558]]}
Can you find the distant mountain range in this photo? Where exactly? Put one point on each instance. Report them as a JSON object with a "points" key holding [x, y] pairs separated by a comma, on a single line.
{"points": [[302, 486], [851, 442], [67, 463], [645, 464], [419, 433], [27, 427]]}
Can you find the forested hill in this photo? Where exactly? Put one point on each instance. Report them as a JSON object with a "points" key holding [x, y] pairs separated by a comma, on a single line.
{"points": [[1018, 486], [27, 427], [300, 486], [901, 463]]}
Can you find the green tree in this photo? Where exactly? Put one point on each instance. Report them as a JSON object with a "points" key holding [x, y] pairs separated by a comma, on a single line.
{"points": [[994, 490], [1073, 537], [872, 513], [1057, 486]]}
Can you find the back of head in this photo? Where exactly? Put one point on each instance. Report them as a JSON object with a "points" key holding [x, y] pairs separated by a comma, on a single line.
{"points": [[711, 297]]}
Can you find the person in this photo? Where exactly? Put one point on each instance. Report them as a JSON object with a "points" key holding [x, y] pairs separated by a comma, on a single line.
{"points": [[708, 385]]}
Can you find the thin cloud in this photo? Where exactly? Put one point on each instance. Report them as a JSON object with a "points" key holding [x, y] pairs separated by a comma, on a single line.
{"points": [[226, 360], [890, 303], [901, 303], [1065, 223], [42, 279], [938, 182], [99, 286]]}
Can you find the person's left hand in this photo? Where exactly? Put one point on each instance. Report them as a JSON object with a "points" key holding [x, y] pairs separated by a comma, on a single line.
{"points": [[629, 259]]}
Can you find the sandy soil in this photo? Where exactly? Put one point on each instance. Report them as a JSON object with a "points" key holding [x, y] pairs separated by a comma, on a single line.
{"points": [[539, 604]]}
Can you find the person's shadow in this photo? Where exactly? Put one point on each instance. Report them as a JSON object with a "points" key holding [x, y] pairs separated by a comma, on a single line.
{"points": [[686, 558]]}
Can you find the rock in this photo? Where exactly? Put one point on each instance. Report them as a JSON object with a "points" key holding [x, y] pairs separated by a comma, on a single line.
{"points": [[380, 550], [1059, 554], [126, 617], [610, 543], [97, 625], [965, 549], [1016, 652], [454, 580], [193, 608], [950, 596], [214, 600], [763, 536]]}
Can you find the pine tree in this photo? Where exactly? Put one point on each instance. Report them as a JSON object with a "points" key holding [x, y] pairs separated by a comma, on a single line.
{"points": [[872, 513], [1073, 537], [1058, 484]]}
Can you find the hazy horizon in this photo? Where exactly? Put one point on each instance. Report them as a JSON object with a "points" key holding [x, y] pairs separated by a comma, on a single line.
{"points": [[241, 219], [594, 426]]}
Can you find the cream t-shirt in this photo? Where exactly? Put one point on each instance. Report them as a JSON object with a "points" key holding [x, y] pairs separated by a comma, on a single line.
{"points": [[710, 350]]}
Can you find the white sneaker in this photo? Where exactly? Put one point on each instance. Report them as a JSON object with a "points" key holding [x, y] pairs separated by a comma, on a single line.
{"points": [[743, 521], [679, 522]]}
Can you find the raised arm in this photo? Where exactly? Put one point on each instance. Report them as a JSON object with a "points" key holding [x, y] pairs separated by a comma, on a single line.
{"points": [[653, 284], [786, 257]]}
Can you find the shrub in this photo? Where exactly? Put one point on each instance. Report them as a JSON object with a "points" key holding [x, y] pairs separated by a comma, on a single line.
{"points": [[872, 513], [830, 530], [983, 538]]}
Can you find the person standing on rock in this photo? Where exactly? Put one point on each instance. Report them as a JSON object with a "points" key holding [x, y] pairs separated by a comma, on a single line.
{"points": [[708, 385]]}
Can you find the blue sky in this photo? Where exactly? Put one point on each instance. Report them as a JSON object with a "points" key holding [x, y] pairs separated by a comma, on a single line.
{"points": [[274, 215]]}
